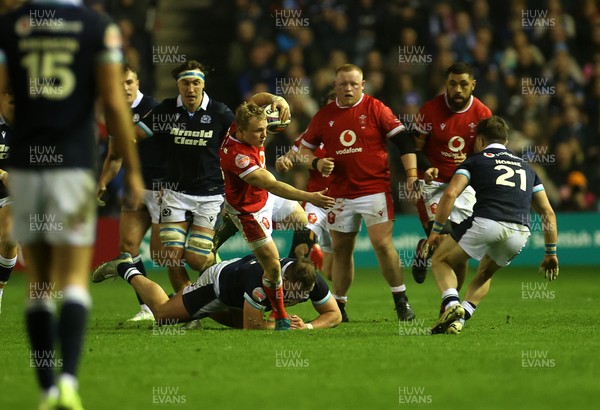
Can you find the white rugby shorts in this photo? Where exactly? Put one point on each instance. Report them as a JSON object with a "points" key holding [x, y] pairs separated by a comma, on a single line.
{"points": [[347, 214], [205, 209], [501, 241], [55, 206], [431, 196], [256, 227]]}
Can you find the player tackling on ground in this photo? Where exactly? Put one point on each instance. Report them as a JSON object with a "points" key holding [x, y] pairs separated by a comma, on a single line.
{"points": [[506, 188], [232, 292]]}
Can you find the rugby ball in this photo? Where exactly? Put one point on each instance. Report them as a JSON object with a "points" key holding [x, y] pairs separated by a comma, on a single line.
{"points": [[274, 124]]}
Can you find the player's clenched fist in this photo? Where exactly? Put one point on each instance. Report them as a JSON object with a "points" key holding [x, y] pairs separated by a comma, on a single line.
{"points": [[325, 166]]}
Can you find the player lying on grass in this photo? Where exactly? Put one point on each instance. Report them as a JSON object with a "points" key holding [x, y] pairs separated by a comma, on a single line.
{"points": [[506, 187], [231, 292]]}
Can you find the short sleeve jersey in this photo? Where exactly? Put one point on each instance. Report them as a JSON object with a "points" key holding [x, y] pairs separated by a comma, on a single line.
{"points": [[239, 159], [242, 281], [51, 51], [503, 184], [355, 137], [450, 134]]}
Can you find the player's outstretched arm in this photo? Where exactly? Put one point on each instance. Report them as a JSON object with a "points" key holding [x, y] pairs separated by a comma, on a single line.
{"points": [[541, 205], [118, 122], [261, 178]]}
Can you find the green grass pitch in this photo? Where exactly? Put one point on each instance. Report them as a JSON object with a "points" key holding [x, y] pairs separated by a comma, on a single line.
{"points": [[531, 345]]}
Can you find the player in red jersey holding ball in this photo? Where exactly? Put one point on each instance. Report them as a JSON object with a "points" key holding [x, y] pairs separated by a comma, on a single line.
{"points": [[354, 130], [254, 199], [447, 127]]}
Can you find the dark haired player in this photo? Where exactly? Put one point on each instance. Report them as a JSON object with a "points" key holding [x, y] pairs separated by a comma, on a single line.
{"points": [[134, 223], [8, 247], [57, 68], [447, 134], [191, 128], [232, 293], [506, 188]]}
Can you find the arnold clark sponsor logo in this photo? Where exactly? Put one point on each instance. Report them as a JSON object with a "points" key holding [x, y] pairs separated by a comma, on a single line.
{"points": [[347, 139], [188, 137]]}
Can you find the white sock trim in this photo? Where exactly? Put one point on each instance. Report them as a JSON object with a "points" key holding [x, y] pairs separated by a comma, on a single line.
{"points": [[449, 292], [398, 289], [77, 294], [131, 272], [136, 259], [41, 304], [341, 298], [468, 307], [8, 263]]}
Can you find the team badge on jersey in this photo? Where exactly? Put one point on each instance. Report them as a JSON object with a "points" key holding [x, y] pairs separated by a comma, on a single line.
{"points": [[136, 117], [362, 120], [433, 208], [242, 161], [205, 119], [166, 212], [312, 218], [331, 217], [258, 294], [265, 222]]}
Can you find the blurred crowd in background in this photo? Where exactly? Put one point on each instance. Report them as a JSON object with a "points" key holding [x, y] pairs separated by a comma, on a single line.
{"points": [[536, 62]]}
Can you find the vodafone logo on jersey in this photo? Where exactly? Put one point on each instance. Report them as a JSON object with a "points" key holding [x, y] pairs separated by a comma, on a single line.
{"points": [[242, 161], [347, 139], [456, 144]]}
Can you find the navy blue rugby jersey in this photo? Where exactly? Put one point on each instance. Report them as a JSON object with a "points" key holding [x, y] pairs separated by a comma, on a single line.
{"points": [[503, 184], [150, 150], [51, 51], [5, 135], [242, 281], [192, 143]]}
